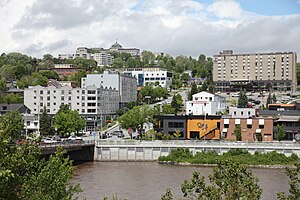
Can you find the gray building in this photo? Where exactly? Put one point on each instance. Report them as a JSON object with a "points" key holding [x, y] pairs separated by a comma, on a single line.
{"points": [[124, 84], [92, 103]]}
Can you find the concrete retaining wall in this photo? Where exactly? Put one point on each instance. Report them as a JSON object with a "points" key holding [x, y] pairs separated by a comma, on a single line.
{"points": [[150, 151]]}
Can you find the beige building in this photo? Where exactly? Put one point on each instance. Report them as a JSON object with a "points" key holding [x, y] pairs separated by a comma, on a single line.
{"points": [[255, 71]]}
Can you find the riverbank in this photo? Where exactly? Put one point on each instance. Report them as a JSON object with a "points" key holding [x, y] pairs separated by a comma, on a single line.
{"points": [[182, 156], [214, 165]]}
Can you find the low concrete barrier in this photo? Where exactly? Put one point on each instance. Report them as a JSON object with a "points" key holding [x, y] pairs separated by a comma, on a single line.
{"points": [[151, 150]]}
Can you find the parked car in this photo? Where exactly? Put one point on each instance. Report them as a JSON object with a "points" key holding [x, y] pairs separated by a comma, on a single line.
{"points": [[73, 137], [256, 102], [118, 133], [46, 140]]}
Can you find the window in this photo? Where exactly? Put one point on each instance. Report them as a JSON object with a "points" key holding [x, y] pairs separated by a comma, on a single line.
{"points": [[83, 98], [210, 98], [48, 98], [41, 92], [175, 124], [91, 104], [261, 126], [69, 98], [82, 110], [226, 125], [82, 104], [62, 98], [249, 125], [91, 91], [91, 98]]}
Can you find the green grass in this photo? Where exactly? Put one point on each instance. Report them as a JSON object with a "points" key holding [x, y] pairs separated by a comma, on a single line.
{"points": [[183, 155]]}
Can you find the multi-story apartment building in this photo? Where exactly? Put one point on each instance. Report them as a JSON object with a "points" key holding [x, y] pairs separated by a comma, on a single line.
{"points": [[151, 76], [205, 103], [103, 59], [255, 71], [92, 103], [125, 85]]}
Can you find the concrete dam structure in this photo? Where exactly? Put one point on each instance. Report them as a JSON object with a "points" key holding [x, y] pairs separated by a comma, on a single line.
{"points": [[151, 150]]}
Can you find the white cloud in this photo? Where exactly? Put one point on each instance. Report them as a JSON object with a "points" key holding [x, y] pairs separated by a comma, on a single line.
{"points": [[176, 27]]}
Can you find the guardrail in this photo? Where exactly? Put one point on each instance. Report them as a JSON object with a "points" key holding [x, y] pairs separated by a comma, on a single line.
{"points": [[194, 142], [68, 143]]}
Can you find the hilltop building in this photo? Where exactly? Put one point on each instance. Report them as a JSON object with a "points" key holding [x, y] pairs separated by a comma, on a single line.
{"points": [[101, 55]]}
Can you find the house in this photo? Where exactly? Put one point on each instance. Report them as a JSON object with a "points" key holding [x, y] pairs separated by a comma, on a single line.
{"points": [[205, 103]]}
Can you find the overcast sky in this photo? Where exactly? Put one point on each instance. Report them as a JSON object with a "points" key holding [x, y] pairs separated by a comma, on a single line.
{"points": [[177, 27]]}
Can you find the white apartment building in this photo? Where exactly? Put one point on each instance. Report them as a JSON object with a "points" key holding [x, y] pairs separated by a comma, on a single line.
{"points": [[125, 85], [151, 76], [205, 103], [92, 103], [103, 59]]}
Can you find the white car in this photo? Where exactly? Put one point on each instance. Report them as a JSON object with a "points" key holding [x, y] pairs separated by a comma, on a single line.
{"points": [[73, 137]]}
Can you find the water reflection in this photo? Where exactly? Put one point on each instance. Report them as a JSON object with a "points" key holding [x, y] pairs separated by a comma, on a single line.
{"points": [[149, 180]]}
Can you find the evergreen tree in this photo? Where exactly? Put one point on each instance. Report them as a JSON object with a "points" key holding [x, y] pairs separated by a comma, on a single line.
{"points": [[238, 132], [45, 124], [279, 135], [177, 102], [194, 90], [243, 100]]}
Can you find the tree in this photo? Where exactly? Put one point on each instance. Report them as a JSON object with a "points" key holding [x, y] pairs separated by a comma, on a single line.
{"points": [[24, 175], [280, 134], [229, 181], [67, 121], [243, 100], [168, 195], [177, 134], [136, 117], [45, 124], [238, 132], [147, 57], [118, 63], [11, 125], [12, 98], [194, 90], [176, 102], [269, 100], [293, 174]]}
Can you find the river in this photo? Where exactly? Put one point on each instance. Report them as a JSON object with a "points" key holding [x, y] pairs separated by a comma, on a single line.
{"points": [[149, 180]]}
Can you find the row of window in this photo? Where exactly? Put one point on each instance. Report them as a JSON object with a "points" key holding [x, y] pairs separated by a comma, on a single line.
{"points": [[66, 91]]}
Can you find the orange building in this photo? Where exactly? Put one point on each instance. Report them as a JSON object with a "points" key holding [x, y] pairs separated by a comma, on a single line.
{"points": [[203, 127], [190, 126]]}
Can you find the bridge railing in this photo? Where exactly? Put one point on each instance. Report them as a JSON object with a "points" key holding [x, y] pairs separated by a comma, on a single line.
{"points": [[68, 143]]}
